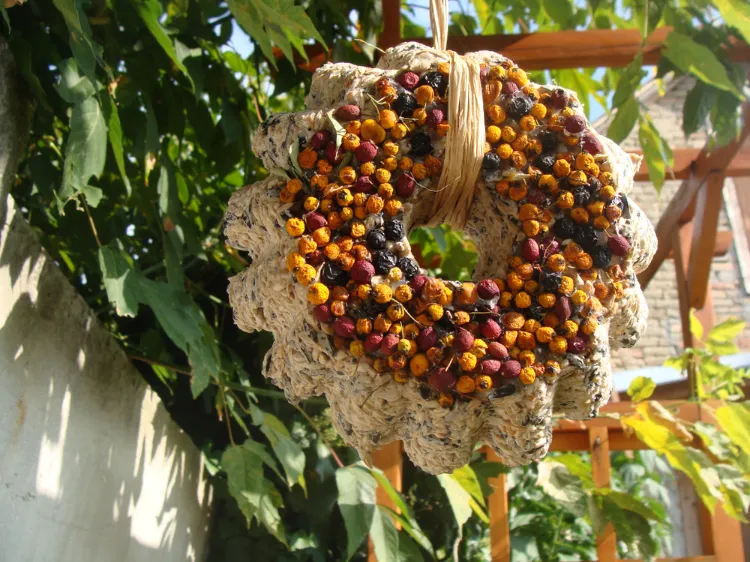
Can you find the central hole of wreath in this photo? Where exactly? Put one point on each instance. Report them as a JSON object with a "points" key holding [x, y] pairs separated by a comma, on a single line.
{"points": [[444, 252]]}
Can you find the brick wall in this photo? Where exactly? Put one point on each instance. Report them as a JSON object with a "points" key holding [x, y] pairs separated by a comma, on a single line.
{"points": [[663, 336]]}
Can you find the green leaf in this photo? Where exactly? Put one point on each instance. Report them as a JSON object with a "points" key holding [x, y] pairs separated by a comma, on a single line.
{"points": [[630, 503], [119, 279], [696, 328], [384, 536], [85, 150], [486, 14], [698, 104], [641, 388], [86, 52], [281, 23], [524, 549], [74, 87], [356, 501], [624, 121], [565, 488], [287, 450], [151, 12], [656, 152], [338, 128], [22, 53], [714, 440], [6, 19], [458, 498], [736, 489], [736, 13], [560, 12], [629, 81], [411, 527], [734, 419], [630, 528], [468, 480], [255, 495], [114, 128], [727, 330], [722, 347], [698, 60], [578, 467]]}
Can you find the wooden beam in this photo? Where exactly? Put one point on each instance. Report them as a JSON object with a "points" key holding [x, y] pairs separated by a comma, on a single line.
{"points": [[390, 460], [498, 506], [547, 50], [705, 164], [724, 239], [606, 542], [739, 166], [391, 34], [706, 223]]}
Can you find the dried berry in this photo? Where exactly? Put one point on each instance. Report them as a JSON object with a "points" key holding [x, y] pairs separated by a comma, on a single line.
{"points": [[491, 366], [545, 162], [389, 344], [519, 106], [405, 185], [537, 197], [587, 236], [536, 311], [497, 350], [322, 313], [503, 390], [408, 80], [347, 113], [563, 309], [331, 274], [405, 104], [549, 141], [619, 245], [394, 230], [510, 88], [548, 247], [577, 345], [511, 368], [418, 283], [530, 249], [565, 228], [575, 124], [438, 81], [463, 340], [364, 184], [372, 342], [344, 327], [384, 261], [376, 240], [591, 144], [581, 196], [362, 271], [435, 117], [333, 155], [601, 256], [408, 267], [315, 258], [421, 144], [558, 99], [315, 221], [487, 289], [441, 380], [491, 329], [320, 139], [366, 151], [427, 338], [491, 162]]}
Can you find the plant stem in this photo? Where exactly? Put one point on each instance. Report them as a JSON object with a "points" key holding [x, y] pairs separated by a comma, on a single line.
{"points": [[319, 432], [91, 220]]}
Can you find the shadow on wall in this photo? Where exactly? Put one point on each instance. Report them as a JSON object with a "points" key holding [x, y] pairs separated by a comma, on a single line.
{"points": [[92, 467]]}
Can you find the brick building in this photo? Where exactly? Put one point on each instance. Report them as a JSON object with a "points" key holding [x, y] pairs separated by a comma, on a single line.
{"points": [[730, 273]]}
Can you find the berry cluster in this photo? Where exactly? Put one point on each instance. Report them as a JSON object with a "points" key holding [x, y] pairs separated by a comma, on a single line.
{"points": [[462, 340]]}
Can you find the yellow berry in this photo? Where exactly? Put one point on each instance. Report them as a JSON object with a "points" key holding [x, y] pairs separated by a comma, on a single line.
{"points": [[419, 364], [305, 274], [294, 260], [295, 227], [465, 384], [528, 375]]}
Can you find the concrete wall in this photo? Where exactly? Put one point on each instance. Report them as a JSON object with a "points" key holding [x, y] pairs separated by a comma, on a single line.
{"points": [[663, 336], [92, 467]]}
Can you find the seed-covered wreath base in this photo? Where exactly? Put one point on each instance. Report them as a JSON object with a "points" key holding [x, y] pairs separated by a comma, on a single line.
{"points": [[399, 354]]}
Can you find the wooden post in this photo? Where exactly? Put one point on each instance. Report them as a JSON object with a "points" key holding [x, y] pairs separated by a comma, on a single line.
{"points": [[606, 542], [391, 35], [499, 523], [706, 223], [390, 460]]}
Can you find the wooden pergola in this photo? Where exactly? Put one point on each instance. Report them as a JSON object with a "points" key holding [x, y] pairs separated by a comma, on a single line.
{"points": [[687, 232]]}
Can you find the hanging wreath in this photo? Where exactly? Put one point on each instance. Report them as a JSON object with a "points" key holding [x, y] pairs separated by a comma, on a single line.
{"points": [[428, 138]]}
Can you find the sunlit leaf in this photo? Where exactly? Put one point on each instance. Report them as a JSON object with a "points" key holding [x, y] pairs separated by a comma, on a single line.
{"points": [[641, 388], [557, 481], [722, 347], [736, 13], [356, 501], [727, 330], [624, 121], [114, 128], [119, 279], [289, 453], [698, 104], [458, 498], [734, 419], [656, 152]]}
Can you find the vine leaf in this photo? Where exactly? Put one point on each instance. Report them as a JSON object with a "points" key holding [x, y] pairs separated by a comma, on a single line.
{"points": [[736, 13], [86, 52], [641, 388], [119, 279], [255, 494], [734, 419], [458, 498], [338, 128], [287, 450], [656, 152], [624, 121], [114, 128], [356, 499], [698, 60], [698, 104], [280, 23], [727, 330], [150, 12]]}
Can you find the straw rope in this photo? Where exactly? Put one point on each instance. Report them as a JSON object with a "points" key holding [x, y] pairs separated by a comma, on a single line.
{"points": [[465, 140]]}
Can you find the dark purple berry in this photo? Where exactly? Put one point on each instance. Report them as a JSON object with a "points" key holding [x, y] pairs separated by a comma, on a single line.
{"points": [[404, 105]]}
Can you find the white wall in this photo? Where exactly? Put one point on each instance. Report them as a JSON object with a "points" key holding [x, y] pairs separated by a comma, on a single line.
{"points": [[92, 467]]}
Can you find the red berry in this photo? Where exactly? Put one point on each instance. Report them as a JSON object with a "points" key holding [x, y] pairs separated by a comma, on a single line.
{"points": [[487, 289], [548, 247], [463, 340], [332, 154], [418, 283], [362, 271], [364, 185], [366, 151], [591, 144], [320, 139], [576, 345], [491, 330], [408, 80], [441, 380], [483, 73], [575, 124], [497, 350], [315, 221], [372, 342], [435, 117], [509, 88], [427, 338], [315, 258], [511, 368], [536, 197], [347, 113], [405, 185], [344, 327], [389, 344], [619, 245], [558, 99], [491, 366], [530, 249], [322, 313], [562, 309]]}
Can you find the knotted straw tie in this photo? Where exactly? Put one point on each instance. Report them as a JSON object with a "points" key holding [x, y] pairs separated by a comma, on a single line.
{"points": [[465, 140]]}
